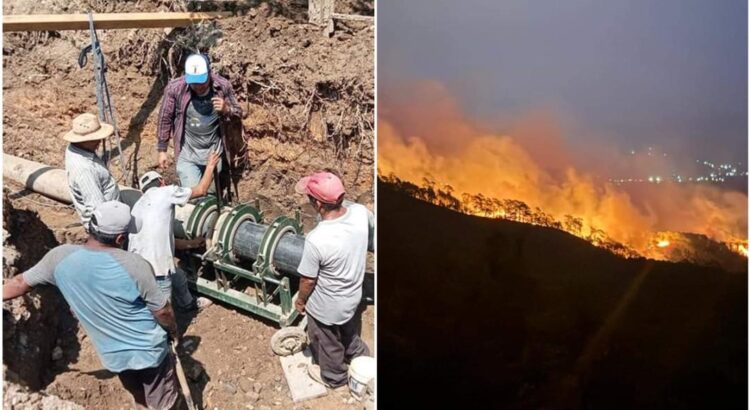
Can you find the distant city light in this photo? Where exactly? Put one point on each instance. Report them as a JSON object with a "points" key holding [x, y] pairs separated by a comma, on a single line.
{"points": [[719, 173]]}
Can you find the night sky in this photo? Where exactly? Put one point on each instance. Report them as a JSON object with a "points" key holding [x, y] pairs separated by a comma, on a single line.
{"points": [[633, 74]]}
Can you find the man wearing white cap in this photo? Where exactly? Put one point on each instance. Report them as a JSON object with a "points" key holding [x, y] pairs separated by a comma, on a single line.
{"points": [[89, 180], [332, 271], [196, 111], [155, 241], [115, 298]]}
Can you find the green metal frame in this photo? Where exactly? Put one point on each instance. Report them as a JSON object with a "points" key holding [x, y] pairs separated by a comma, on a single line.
{"points": [[267, 281], [244, 302]]}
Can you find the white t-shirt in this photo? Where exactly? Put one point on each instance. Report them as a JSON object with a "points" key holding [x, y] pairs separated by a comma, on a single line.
{"points": [[335, 253], [155, 213]]}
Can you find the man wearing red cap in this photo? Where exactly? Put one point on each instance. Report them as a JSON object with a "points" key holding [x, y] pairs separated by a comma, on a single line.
{"points": [[332, 270]]}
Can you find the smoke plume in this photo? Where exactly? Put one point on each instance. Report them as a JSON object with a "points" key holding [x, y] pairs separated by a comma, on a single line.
{"points": [[424, 133]]}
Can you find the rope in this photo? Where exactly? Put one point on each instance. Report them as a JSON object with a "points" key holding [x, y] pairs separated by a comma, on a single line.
{"points": [[103, 100]]}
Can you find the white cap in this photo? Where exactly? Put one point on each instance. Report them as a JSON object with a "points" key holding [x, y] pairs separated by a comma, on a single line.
{"points": [[148, 178], [113, 218], [196, 69]]}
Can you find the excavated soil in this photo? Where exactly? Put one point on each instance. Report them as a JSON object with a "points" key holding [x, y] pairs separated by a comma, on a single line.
{"points": [[308, 101]]}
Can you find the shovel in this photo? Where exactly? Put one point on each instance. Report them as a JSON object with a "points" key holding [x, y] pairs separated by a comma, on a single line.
{"points": [[181, 377]]}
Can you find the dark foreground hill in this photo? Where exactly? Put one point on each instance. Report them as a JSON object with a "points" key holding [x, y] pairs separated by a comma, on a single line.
{"points": [[479, 313]]}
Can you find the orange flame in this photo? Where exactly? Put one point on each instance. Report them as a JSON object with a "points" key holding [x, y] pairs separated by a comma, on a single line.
{"points": [[429, 142]]}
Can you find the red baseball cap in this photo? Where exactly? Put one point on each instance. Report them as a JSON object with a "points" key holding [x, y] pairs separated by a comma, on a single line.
{"points": [[323, 186]]}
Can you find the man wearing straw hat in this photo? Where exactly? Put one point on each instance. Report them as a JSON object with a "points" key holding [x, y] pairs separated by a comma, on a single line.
{"points": [[89, 180]]}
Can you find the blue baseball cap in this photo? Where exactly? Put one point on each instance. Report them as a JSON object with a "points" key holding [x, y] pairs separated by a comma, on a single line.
{"points": [[196, 69]]}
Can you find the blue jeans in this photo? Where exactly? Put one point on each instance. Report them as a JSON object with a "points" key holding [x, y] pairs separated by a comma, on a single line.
{"points": [[174, 286], [190, 174]]}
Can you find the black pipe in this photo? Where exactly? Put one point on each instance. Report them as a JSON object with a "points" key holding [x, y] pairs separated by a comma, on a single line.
{"points": [[288, 252]]}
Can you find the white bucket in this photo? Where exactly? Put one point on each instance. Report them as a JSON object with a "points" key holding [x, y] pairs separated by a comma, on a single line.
{"points": [[361, 370]]}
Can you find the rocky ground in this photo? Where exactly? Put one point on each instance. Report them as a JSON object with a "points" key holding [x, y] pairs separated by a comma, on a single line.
{"points": [[308, 101]]}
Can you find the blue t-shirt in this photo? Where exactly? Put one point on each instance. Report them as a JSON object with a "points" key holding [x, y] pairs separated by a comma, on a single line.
{"points": [[112, 293]]}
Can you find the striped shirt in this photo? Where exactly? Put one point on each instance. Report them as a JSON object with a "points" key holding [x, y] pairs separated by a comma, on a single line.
{"points": [[89, 181]]}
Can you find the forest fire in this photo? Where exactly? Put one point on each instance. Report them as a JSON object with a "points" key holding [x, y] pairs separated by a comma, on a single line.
{"points": [[664, 245], [738, 247], [429, 148]]}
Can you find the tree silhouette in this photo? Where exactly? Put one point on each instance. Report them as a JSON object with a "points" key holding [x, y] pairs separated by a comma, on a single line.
{"points": [[510, 209]]}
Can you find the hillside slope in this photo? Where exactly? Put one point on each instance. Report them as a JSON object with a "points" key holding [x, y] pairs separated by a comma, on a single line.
{"points": [[474, 310]]}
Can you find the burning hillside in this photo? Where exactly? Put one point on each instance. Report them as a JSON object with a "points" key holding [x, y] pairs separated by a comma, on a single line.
{"points": [[529, 176], [672, 246], [540, 319]]}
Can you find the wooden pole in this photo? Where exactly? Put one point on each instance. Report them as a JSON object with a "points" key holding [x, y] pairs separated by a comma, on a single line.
{"points": [[104, 21], [319, 12]]}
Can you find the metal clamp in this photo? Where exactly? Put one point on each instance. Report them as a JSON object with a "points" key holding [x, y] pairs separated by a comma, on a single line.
{"points": [[199, 216], [231, 223], [264, 263]]}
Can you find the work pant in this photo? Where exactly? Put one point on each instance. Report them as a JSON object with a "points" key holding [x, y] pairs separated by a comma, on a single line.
{"points": [[155, 387], [176, 289], [190, 174], [333, 346]]}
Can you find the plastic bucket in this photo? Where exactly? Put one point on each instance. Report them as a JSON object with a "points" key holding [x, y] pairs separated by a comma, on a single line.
{"points": [[361, 370]]}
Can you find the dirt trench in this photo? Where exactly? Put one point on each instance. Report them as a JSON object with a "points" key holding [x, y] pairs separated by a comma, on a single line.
{"points": [[39, 333], [47, 356], [308, 103]]}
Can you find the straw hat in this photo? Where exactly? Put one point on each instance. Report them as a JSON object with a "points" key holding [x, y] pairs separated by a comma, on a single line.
{"points": [[86, 127]]}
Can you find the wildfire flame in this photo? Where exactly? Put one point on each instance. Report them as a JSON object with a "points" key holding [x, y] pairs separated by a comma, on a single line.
{"points": [[529, 176]]}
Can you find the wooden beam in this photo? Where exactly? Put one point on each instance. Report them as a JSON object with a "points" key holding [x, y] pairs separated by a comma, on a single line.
{"points": [[104, 21], [353, 17]]}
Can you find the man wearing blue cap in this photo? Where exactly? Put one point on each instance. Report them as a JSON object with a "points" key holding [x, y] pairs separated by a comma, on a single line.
{"points": [[197, 109]]}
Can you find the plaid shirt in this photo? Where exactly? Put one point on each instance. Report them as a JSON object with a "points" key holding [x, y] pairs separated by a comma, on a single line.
{"points": [[174, 105]]}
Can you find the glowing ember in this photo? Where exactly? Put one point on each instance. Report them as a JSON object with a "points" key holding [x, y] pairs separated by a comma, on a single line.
{"points": [[662, 244], [743, 250]]}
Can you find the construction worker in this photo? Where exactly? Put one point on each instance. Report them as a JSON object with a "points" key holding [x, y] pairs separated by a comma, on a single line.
{"points": [[196, 110], [155, 241], [89, 180], [332, 271], [117, 301]]}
